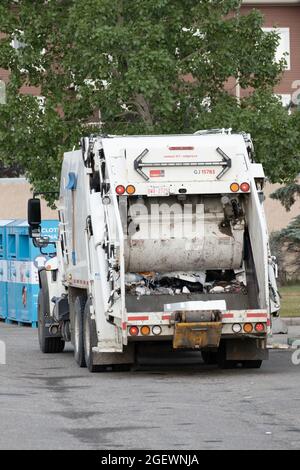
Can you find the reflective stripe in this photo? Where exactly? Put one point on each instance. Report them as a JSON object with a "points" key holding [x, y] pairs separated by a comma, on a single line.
{"points": [[137, 318]]}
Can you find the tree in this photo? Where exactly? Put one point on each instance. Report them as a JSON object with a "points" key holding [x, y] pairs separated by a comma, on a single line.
{"points": [[287, 196], [287, 240], [150, 66]]}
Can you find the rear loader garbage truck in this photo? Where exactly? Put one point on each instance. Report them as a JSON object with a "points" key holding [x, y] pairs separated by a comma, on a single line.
{"points": [[162, 242]]}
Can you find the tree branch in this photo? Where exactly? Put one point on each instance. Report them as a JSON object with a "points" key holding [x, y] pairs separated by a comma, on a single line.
{"points": [[143, 109]]}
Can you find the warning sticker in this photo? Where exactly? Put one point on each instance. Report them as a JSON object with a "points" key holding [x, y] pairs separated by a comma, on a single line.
{"points": [[157, 173]]}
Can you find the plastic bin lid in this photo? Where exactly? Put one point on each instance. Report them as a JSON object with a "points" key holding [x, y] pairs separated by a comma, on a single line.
{"points": [[24, 222], [5, 222]]}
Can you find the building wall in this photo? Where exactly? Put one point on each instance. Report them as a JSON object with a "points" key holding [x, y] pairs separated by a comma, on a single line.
{"points": [[283, 15], [14, 194], [277, 217]]}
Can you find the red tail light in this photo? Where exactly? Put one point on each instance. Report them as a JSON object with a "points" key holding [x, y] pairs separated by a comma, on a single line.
{"points": [[120, 189], [133, 331], [259, 327], [245, 187]]}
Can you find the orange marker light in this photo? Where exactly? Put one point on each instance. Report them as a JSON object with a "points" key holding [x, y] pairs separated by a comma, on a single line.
{"points": [[145, 330], [248, 328], [130, 189], [234, 187]]}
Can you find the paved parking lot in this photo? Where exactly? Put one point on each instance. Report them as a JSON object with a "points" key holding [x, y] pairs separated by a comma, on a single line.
{"points": [[47, 402]]}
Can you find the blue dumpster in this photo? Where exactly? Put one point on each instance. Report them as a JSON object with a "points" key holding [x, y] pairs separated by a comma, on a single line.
{"points": [[3, 269], [23, 262]]}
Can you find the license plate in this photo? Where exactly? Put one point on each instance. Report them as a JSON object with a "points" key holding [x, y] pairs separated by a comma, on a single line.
{"points": [[154, 190]]}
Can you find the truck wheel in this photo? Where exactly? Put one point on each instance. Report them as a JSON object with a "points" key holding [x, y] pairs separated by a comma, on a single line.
{"points": [[209, 357], [48, 345], [252, 364], [79, 305], [90, 338]]}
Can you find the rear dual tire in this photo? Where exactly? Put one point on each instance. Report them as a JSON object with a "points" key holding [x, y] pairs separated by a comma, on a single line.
{"points": [[85, 334], [252, 364], [89, 339], [244, 364], [86, 327], [209, 357], [224, 363], [79, 306]]}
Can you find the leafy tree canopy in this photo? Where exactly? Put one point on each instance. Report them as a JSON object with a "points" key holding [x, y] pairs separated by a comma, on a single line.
{"points": [[150, 66]]}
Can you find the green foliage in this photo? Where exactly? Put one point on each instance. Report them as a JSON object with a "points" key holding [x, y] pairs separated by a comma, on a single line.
{"points": [[275, 135], [287, 194], [290, 233], [128, 59]]}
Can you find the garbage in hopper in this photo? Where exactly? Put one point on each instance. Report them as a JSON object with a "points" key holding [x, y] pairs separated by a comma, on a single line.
{"points": [[177, 282]]}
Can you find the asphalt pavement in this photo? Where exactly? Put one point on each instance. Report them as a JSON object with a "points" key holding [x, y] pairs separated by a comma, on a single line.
{"points": [[47, 402]]}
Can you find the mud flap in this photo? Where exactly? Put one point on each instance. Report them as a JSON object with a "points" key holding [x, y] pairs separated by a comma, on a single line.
{"points": [[125, 357], [246, 349], [197, 335]]}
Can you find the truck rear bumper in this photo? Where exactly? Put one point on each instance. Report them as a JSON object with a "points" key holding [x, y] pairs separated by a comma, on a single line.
{"points": [[185, 335]]}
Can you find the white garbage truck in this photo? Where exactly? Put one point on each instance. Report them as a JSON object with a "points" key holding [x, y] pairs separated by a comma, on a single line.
{"points": [[163, 243]]}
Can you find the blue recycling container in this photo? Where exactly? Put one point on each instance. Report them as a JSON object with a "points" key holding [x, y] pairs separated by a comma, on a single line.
{"points": [[3, 268], [24, 260]]}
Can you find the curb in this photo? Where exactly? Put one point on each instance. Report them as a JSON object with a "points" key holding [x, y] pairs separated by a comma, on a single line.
{"points": [[291, 321], [291, 342]]}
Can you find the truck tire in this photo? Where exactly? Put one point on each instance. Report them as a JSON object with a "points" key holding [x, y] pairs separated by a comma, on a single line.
{"points": [[48, 345], [79, 305], [90, 338], [252, 364], [209, 357]]}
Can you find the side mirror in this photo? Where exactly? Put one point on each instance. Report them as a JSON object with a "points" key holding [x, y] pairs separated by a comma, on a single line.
{"points": [[34, 222], [34, 213]]}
